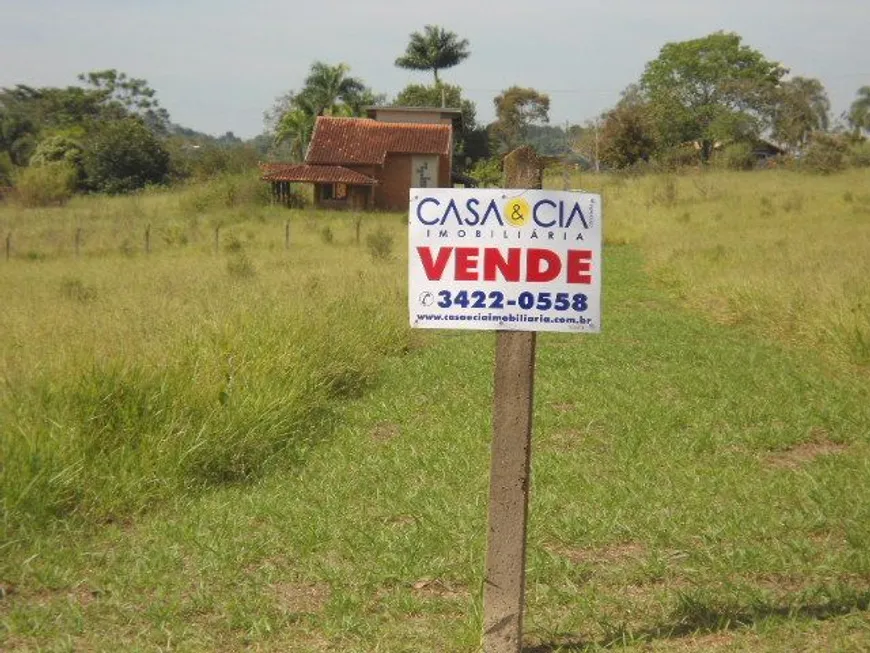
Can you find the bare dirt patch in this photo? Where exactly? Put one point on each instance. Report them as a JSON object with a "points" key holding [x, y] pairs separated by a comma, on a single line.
{"points": [[400, 521], [304, 598], [606, 555], [565, 407], [385, 431], [590, 437], [438, 589], [81, 595], [784, 586], [718, 641], [563, 440], [806, 452]]}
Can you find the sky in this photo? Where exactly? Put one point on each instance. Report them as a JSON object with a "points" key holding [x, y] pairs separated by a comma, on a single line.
{"points": [[218, 65]]}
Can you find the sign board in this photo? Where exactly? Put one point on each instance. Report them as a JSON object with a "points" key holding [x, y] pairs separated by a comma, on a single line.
{"points": [[502, 259]]}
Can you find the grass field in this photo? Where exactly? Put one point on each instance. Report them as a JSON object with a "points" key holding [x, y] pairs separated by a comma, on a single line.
{"points": [[246, 448]]}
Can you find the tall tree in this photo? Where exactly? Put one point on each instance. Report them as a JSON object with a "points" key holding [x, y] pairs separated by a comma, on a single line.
{"points": [[29, 115], [859, 112], [420, 95], [123, 95], [123, 155], [628, 134], [435, 49], [802, 107], [710, 89], [515, 109], [295, 129], [330, 91]]}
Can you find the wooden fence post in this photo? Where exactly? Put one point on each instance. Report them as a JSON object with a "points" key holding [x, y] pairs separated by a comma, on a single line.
{"points": [[358, 227], [287, 235], [148, 239], [217, 239], [510, 466]]}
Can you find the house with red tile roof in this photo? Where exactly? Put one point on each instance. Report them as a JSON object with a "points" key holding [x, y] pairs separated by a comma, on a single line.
{"points": [[368, 163]]}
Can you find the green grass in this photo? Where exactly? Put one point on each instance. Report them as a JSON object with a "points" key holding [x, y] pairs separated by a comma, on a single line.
{"points": [[698, 484], [127, 378], [784, 253]]}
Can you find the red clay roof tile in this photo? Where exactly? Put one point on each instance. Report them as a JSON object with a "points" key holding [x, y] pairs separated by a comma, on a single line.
{"points": [[315, 174], [346, 141]]}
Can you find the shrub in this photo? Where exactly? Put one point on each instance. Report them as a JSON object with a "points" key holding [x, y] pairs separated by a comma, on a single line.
{"points": [[380, 244], [75, 289], [240, 267], [210, 160], [636, 169], [124, 155], [240, 190], [678, 157], [7, 169], [46, 185], [825, 154], [737, 156], [60, 149], [225, 191], [233, 245], [859, 154], [487, 172]]}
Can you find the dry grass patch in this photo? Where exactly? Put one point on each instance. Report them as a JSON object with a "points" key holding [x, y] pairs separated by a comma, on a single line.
{"points": [[615, 554], [301, 597], [570, 439], [806, 452], [385, 431], [718, 641], [435, 588]]}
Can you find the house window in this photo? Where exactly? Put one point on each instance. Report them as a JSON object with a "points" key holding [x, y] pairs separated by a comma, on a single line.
{"points": [[333, 191]]}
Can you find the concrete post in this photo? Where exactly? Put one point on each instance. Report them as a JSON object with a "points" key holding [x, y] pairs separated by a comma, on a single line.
{"points": [[504, 588]]}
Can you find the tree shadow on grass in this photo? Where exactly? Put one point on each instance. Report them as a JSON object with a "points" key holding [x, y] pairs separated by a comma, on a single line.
{"points": [[699, 614]]}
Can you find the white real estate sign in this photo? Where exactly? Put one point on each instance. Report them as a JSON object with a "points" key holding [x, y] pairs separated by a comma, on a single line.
{"points": [[488, 259]]}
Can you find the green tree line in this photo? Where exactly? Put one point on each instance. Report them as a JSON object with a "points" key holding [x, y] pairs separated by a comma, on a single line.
{"points": [[699, 101], [107, 134]]}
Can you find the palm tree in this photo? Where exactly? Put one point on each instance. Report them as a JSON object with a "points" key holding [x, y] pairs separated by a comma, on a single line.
{"points": [[329, 91], [859, 113], [435, 49], [295, 129]]}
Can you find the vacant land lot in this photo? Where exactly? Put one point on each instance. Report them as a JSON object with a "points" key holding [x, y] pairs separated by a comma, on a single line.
{"points": [[228, 443]]}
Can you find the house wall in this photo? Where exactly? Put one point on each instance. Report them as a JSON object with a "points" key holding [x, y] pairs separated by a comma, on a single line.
{"points": [[359, 197], [394, 177], [395, 181], [397, 115], [391, 193], [425, 171], [446, 169]]}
